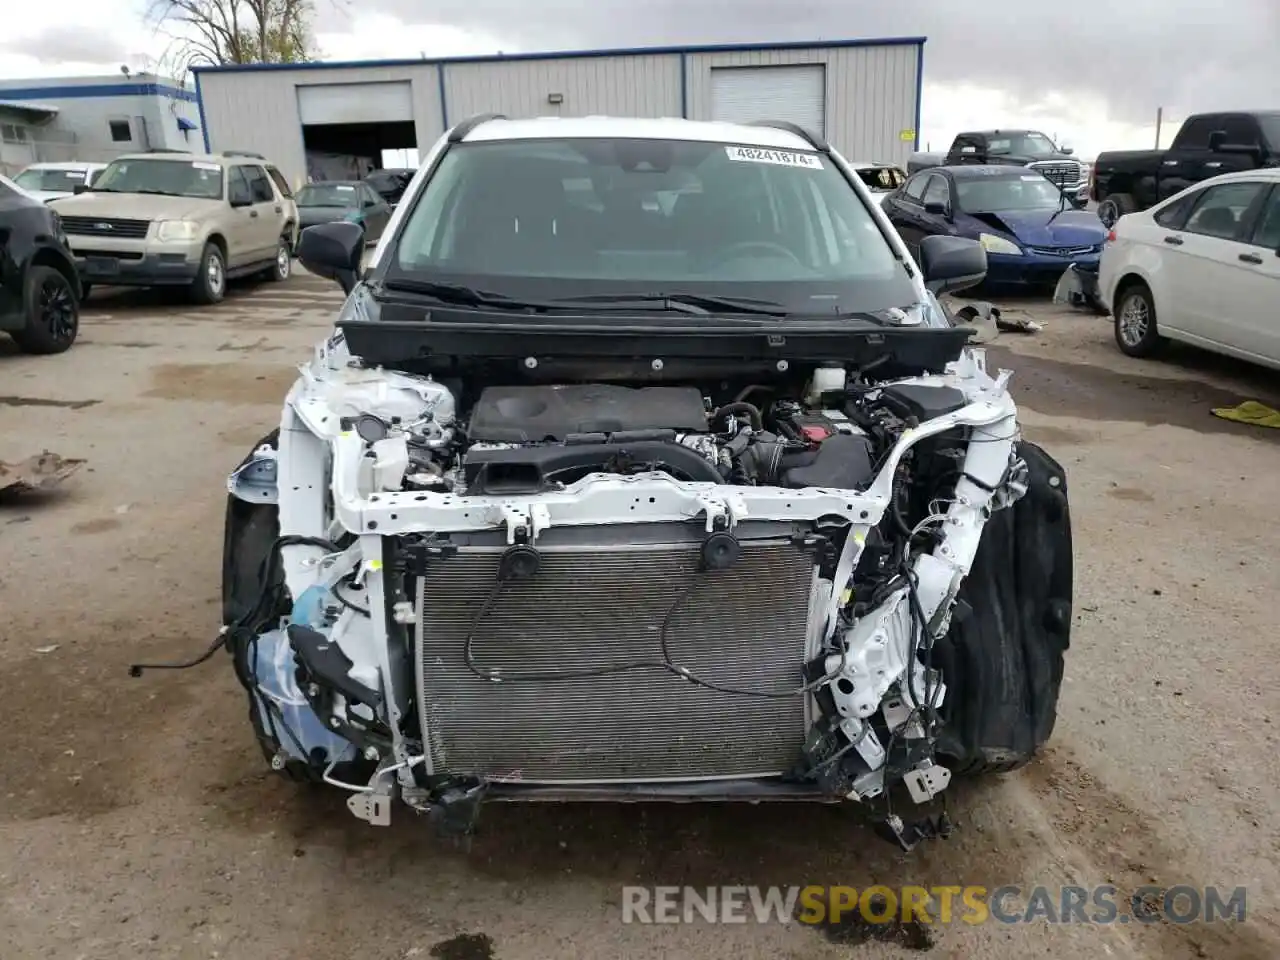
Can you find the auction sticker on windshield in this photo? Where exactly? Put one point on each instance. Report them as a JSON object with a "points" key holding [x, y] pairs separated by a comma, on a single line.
{"points": [[782, 158], [202, 165]]}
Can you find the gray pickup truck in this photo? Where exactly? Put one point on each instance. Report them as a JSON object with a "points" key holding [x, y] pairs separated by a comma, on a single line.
{"points": [[1023, 148]]}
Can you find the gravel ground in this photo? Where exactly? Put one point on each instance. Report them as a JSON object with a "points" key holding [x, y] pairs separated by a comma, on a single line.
{"points": [[136, 818]]}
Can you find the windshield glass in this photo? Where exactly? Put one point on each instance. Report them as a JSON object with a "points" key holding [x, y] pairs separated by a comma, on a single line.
{"points": [[172, 178], [1021, 145], [994, 194], [327, 195], [564, 218], [881, 178], [51, 180]]}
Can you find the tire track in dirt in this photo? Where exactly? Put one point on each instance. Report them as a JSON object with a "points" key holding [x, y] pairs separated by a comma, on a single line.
{"points": [[1102, 839]]}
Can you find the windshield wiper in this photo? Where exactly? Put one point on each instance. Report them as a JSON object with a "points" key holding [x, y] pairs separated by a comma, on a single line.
{"points": [[694, 303], [462, 295]]}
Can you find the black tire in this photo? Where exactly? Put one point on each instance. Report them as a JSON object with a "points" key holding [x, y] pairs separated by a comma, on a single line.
{"points": [[1134, 321], [280, 271], [1003, 661], [52, 313], [1114, 206], [210, 284]]}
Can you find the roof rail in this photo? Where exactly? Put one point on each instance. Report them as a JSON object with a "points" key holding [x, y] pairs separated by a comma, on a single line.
{"points": [[243, 153], [812, 138], [166, 150], [459, 132]]}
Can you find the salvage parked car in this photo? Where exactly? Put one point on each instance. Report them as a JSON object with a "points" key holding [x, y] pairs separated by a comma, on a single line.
{"points": [[390, 184], [1206, 145], [181, 219], [1203, 267], [622, 501], [39, 289], [1025, 223], [52, 181], [882, 179], [351, 200], [1019, 148]]}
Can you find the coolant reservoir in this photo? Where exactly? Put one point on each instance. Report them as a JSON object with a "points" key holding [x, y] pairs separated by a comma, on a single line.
{"points": [[826, 378]]}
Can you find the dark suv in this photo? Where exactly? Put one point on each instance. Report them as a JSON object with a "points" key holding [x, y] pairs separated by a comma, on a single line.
{"points": [[39, 287]]}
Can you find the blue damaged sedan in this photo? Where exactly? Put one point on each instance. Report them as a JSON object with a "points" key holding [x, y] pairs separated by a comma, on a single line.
{"points": [[1028, 227]]}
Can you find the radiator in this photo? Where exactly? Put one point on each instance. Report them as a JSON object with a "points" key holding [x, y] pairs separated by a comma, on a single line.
{"points": [[603, 605]]}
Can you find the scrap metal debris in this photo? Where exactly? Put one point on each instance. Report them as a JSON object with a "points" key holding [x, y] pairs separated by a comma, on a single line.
{"points": [[40, 472]]}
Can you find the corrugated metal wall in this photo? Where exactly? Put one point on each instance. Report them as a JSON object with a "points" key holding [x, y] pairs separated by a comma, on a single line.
{"points": [[258, 110], [870, 103], [871, 93], [629, 86]]}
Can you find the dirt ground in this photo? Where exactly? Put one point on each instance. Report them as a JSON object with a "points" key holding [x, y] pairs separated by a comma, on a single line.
{"points": [[137, 819]]}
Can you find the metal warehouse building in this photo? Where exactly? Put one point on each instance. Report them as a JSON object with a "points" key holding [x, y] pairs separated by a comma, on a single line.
{"points": [[862, 95]]}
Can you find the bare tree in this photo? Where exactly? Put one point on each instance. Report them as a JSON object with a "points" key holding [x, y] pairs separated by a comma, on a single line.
{"points": [[218, 32]]}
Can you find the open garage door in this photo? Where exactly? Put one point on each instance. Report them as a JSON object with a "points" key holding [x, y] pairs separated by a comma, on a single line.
{"points": [[346, 127], [794, 93]]}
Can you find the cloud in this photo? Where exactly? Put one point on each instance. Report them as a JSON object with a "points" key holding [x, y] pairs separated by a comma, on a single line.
{"points": [[1135, 55], [68, 44]]}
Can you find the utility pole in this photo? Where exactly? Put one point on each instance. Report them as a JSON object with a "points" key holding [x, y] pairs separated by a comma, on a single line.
{"points": [[1159, 122]]}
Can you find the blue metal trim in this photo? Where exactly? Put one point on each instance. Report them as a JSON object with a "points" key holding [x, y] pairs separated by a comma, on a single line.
{"points": [[919, 91], [684, 85], [204, 124], [444, 99], [97, 90], [572, 55]]}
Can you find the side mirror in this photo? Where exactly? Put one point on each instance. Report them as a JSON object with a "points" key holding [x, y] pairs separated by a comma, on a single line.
{"points": [[1243, 149], [333, 251], [938, 209], [240, 201], [952, 263], [1066, 151], [80, 188], [1216, 139]]}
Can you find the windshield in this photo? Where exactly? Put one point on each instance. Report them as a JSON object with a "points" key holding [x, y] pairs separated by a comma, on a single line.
{"points": [[553, 219], [994, 194], [54, 181], [881, 178], [327, 195], [171, 178], [1021, 145]]}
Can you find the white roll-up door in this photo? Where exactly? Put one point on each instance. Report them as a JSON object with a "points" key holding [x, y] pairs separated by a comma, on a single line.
{"points": [[381, 102], [794, 93]]}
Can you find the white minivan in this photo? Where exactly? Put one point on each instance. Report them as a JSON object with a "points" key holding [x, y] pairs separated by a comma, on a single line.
{"points": [[52, 181]]}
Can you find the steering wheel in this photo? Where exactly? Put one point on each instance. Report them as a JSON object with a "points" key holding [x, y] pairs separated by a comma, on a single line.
{"points": [[734, 250]]}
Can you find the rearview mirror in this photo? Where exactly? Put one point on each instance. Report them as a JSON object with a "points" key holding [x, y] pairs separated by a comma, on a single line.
{"points": [[333, 251], [952, 263]]}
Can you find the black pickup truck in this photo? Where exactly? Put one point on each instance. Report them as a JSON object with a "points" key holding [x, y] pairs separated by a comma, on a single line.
{"points": [[1207, 144], [1022, 148]]}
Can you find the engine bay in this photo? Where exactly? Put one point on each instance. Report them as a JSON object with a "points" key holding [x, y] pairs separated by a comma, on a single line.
{"points": [[526, 439]]}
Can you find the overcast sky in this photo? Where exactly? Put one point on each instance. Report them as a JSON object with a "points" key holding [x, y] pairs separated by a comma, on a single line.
{"points": [[1091, 71]]}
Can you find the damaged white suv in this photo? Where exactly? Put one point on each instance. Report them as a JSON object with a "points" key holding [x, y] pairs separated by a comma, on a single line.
{"points": [[644, 464]]}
